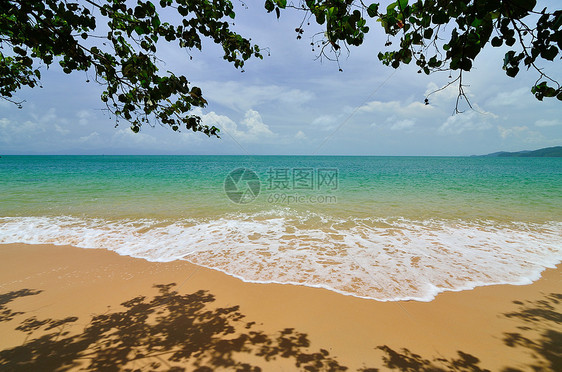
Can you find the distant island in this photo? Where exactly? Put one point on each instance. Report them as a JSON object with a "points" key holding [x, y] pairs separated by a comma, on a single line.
{"points": [[547, 152]]}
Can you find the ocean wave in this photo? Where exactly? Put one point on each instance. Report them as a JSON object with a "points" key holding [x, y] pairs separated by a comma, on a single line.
{"points": [[385, 259]]}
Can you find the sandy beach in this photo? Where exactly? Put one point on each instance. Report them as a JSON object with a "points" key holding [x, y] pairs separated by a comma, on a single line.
{"points": [[66, 308]]}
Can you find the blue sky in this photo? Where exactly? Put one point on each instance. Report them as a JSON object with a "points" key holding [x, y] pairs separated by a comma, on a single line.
{"points": [[290, 103]]}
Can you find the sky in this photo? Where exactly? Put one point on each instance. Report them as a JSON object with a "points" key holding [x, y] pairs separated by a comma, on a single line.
{"points": [[291, 103]]}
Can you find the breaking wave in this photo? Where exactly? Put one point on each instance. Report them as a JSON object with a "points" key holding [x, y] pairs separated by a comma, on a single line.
{"points": [[386, 259]]}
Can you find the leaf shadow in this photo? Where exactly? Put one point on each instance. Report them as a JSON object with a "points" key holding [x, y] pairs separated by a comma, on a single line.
{"points": [[539, 316], [165, 332], [170, 331], [542, 316], [405, 360], [6, 314]]}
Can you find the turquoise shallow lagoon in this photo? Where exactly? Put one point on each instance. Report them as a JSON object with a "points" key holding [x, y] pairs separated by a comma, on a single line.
{"points": [[386, 228]]}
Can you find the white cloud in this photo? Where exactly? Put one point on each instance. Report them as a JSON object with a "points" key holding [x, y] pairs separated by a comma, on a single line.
{"points": [[48, 117], [4, 127], [251, 129], [324, 119], [525, 135], [5, 104], [325, 122], [403, 124], [300, 135], [40, 127], [548, 123], [516, 130], [439, 93], [411, 109], [61, 130], [126, 137], [223, 122], [242, 97], [292, 96], [94, 136], [509, 98], [83, 117], [467, 121], [11, 129], [256, 127]]}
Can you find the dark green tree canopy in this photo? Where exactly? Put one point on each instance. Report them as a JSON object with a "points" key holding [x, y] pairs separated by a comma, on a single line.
{"points": [[442, 35], [116, 41], [124, 57]]}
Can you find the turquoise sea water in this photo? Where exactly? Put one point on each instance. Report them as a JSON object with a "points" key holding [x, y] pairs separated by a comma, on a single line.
{"points": [[386, 228]]}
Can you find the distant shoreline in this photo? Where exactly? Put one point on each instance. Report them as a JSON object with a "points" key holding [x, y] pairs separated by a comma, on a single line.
{"points": [[547, 152], [552, 152]]}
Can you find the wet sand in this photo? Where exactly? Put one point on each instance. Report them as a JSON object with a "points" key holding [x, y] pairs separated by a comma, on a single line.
{"points": [[65, 308]]}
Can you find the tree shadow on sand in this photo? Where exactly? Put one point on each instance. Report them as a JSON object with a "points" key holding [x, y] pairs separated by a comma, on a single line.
{"points": [[542, 317], [405, 360], [6, 314], [176, 332], [166, 332]]}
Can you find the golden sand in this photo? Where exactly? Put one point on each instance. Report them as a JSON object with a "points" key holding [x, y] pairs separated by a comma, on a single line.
{"points": [[65, 308]]}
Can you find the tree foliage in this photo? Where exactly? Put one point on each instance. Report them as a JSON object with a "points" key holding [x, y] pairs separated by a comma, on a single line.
{"points": [[116, 41], [440, 35], [123, 58]]}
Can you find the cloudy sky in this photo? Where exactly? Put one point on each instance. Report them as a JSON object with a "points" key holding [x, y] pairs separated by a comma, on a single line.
{"points": [[291, 103]]}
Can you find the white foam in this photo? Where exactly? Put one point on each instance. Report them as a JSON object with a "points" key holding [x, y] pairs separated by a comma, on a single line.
{"points": [[382, 259]]}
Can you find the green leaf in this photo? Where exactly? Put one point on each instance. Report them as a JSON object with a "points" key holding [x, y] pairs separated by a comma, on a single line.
{"points": [[125, 60], [156, 22], [512, 71], [391, 7], [373, 10], [140, 12], [269, 5], [550, 92], [19, 51], [477, 22], [466, 64], [496, 42], [399, 4], [320, 18], [524, 4], [550, 53], [440, 18]]}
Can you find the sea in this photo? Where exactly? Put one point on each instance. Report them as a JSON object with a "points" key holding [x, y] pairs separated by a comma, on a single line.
{"points": [[381, 228]]}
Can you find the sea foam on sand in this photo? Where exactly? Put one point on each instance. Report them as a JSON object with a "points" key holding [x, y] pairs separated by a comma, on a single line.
{"points": [[385, 259]]}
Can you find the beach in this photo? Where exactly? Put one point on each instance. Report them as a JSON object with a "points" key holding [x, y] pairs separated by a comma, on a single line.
{"points": [[68, 308], [280, 263]]}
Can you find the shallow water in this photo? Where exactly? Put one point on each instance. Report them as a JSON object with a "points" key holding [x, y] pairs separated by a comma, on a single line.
{"points": [[386, 228]]}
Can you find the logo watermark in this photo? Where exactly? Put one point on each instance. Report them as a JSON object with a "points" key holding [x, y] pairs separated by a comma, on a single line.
{"points": [[242, 186], [286, 185]]}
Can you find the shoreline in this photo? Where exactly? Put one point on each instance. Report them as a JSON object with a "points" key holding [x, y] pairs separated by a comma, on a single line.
{"points": [[451, 255], [438, 291], [327, 328]]}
